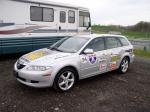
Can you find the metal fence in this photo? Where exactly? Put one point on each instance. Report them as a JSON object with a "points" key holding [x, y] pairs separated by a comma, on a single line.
{"points": [[142, 44]]}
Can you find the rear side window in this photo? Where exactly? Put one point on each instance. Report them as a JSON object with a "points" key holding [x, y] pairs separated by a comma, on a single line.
{"points": [[112, 42], [62, 16], [96, 44], [71, 16], [124, 41]]}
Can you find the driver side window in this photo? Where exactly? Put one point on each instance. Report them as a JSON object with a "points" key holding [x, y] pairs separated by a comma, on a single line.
{"points": [[96, 44]]}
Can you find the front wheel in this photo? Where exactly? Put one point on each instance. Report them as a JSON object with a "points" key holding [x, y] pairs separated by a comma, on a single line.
{"points": [[124, 65], [64, 80]]}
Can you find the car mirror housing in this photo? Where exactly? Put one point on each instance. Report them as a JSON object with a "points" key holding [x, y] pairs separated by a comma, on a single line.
{"points": [[88, 51]]}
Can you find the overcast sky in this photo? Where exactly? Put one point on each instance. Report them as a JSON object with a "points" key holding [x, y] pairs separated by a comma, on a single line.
{"points": [[118, 12]]}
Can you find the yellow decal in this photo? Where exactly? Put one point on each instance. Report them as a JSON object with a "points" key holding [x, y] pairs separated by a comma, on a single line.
{"points": [[115, 58], [35, 55]]}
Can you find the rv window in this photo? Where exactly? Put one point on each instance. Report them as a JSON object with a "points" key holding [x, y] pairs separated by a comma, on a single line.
{"points": [[81, 22], [71, 16], [84, 19], [48, 15], [36, 13], [42, 14], [62, 16]]}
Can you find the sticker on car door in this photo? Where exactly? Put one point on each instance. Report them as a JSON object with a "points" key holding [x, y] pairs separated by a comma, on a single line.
{"points": [[92, 58], [113, 62], [112, 65], [102, 65]]}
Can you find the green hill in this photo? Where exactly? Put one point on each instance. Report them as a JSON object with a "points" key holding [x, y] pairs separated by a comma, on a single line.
{"points": [[140, 30]]}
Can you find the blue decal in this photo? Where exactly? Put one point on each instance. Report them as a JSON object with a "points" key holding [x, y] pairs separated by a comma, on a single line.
{"points": [[92, 59]]}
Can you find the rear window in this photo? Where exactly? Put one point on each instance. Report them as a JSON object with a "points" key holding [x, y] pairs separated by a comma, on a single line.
{"points": [[124, 41]]}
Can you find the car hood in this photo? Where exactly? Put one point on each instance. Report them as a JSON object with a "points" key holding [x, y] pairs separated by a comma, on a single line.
{"points": [[44, 56]]}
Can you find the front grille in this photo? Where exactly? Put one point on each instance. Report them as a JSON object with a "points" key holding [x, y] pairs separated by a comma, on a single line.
{"points": [[20, 66]]}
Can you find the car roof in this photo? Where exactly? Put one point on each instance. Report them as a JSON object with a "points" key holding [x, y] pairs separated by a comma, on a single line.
{"points": [[99, 35]]}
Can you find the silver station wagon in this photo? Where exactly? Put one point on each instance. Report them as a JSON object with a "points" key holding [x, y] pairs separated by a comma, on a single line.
{"points": [[72, 59]]}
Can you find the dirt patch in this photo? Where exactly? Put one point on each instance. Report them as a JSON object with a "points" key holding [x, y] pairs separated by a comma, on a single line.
{"points": [[109, 92]]}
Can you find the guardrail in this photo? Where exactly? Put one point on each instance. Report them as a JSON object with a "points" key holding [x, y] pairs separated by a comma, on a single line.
{"points": [[142, 44]]}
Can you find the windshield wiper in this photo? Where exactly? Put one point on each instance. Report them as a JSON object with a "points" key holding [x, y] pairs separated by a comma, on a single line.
{"points": [[56, 49]]}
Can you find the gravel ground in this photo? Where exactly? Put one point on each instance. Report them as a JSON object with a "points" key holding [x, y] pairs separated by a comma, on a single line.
{"points": [[109, 92]]}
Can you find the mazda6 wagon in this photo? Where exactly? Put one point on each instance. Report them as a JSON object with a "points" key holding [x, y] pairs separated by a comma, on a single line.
{"points": [[72, 59]]}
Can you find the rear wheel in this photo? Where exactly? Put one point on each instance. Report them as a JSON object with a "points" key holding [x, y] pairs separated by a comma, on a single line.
{"points": [[64, 80], [124, 65]]}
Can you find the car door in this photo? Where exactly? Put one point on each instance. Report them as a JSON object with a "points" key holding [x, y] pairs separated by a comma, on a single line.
{"points": [[114, 51], [93, 64]]}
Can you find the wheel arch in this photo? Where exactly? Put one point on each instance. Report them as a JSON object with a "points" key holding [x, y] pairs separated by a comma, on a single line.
{"points": [[127, 56], [72, 67]]}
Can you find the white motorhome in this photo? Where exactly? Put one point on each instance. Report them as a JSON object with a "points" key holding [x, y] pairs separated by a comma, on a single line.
{"points": [[27, 25]]}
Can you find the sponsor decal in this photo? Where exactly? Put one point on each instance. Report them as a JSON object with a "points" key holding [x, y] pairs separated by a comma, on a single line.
{"points": [[112, 65], [83, 59], [115, 58], [92, 58], [102, 67], [102, 64], [35, 55]]}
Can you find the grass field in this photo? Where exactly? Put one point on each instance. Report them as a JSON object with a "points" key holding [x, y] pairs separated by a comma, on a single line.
{"points": [[142, 53], [129, 34]]}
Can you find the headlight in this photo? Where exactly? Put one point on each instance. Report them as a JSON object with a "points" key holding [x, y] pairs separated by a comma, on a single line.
{"points": [[38, 68]]}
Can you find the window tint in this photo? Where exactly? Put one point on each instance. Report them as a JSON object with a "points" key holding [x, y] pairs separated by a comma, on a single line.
{"points": [[71, 16], [124, 41], [112, 42], [48, 15], [42, 14], [62, 16], [96, 44], [36, 13], [84, 19]]}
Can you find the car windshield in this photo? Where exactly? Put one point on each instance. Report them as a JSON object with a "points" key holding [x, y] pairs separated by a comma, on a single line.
{"points": [[69, 44]]}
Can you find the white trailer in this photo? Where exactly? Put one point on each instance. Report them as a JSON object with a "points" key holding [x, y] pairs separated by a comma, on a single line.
{"points": [[27, 25]]}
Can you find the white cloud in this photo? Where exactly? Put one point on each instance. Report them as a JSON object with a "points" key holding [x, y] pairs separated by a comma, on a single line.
{"points": [[122, 12]]}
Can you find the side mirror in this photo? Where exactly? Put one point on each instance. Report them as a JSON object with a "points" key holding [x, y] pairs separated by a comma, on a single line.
{"points": [[89, 24], [88, 51]]}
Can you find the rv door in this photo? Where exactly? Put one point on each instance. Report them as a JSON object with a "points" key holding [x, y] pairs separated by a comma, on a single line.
{"points": [[62, 21]]}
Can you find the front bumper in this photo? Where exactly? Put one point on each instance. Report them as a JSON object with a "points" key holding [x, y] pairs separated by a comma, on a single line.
{"points": [[33, 79]]}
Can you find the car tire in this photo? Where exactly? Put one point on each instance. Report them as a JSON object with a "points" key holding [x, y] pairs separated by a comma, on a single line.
{"points": [[124, 65], [64, 80]]}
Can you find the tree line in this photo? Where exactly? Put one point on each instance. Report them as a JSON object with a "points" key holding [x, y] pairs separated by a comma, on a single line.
{"points": [[139, 27]]}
